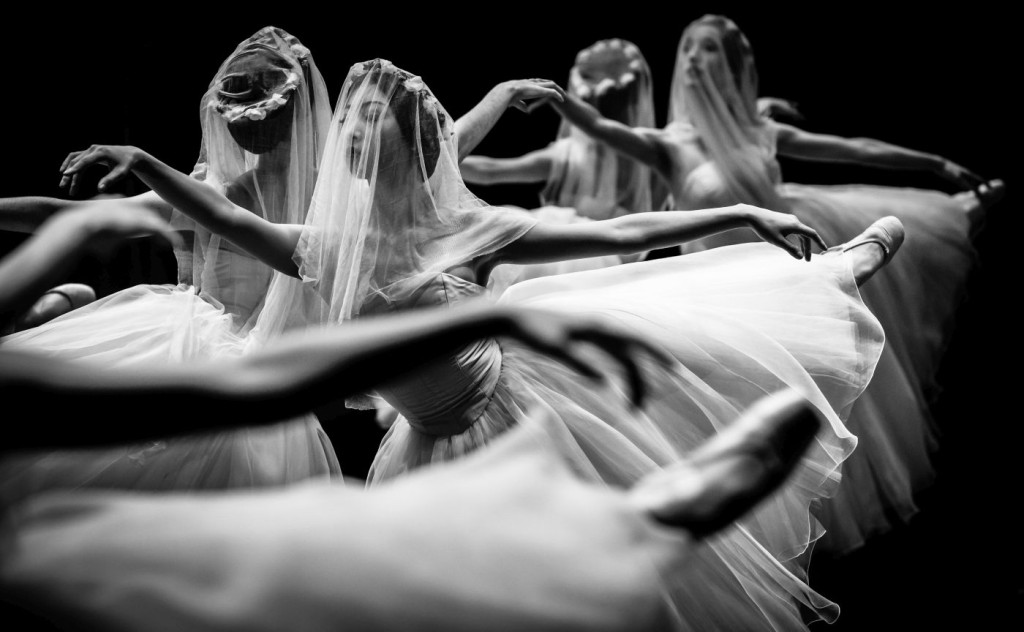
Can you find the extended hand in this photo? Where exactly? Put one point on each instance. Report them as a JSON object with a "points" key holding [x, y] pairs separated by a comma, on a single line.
{"points": [[775, 228], [119, 158], [528, 94], [961, 176], [775, 108], [563, 336]]}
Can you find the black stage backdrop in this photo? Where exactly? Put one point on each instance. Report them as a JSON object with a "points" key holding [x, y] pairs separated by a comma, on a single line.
{"points": [[940, 81]]}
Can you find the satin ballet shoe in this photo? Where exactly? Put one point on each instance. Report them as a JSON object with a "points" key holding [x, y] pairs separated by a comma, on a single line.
{"points": [[730, 474], [887, 232]]}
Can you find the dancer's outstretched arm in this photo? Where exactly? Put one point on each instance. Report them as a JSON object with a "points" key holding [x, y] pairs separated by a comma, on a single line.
{"points": [[289, 378], [641, 232], [45, 259], [473, 126], [271, 243], [26, 214], [534, 166], [646, 146], [797, 143]]}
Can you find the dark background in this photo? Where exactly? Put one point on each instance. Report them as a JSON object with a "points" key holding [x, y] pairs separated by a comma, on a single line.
{"points": [[940, 81]]}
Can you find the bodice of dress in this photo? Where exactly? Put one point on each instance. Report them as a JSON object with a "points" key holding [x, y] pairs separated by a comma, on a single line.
{"points": [[237, 281], [702, 183], [449, 395]]}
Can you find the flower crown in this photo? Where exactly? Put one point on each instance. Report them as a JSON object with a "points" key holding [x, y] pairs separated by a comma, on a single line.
{"points": [[258, 110], [271, 39], [604, 55], [412, 83]]}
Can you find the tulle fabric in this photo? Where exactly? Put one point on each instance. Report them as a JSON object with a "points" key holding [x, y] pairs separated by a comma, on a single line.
{"points": [[392, 227], [613, 76], [915, 296], [508, 274], [151, 325], [506, 540], [265, 118], [588, 180], [741, 322], [390, 211], [223, 290]]}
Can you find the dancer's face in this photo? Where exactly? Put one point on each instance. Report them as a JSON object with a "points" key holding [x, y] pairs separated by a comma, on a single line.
{"points": [[702, 49], [373, 117]]}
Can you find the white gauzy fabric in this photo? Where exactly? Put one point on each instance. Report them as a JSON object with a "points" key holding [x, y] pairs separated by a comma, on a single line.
{"points": [[588, 180], [265, 118], [262, 151], [613, 76], [508, 540], [713, 108], [390, 211], [392, 227]]}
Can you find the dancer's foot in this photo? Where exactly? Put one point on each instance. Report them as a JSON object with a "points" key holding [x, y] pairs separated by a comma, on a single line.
{"points": [[873, 248], [734, 470], [56, 302]]}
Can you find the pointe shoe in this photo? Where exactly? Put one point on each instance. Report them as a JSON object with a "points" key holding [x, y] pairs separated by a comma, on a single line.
{"points": [[886, 232], [727, 476]]}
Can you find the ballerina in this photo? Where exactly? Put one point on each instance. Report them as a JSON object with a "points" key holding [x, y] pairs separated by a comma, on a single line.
{"points": [[265, 118], [718, 149], [392, 227], [583, 179], [719, 482]]}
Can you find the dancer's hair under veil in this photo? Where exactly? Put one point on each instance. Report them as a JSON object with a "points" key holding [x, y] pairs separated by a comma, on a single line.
{"points": [[719, 106], [265, 118], [390, 212], [613, 76]]}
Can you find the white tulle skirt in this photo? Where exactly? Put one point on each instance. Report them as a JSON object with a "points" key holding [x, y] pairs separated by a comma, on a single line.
{"points": [[915, 297], [507, 540], [742, 322], [152, 325]]}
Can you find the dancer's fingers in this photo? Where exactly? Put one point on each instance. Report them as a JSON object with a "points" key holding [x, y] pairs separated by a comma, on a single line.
{"points": [[785, 244], [67, 160], [73, 190], [115, 174]]}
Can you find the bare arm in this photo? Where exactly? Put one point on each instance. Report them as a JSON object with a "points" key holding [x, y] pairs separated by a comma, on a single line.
{"points": [[641, 232], [271, 243], [797, 143], [26, 214], [47, 256], [474, 126], [532, 167], [291, 377], [640, 144]]}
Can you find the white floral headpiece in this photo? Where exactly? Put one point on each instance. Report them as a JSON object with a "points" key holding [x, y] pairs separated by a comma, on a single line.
{"points": [[258, 110], [613, 51]]}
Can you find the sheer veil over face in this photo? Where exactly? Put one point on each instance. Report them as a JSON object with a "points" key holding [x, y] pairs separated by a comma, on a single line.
{"points": [[714, 95], [613, 76], [390, 211], [265, 118]]}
